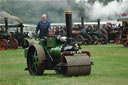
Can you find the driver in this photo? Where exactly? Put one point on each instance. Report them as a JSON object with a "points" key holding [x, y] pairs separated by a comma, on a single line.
{"points": [[43, 26]]}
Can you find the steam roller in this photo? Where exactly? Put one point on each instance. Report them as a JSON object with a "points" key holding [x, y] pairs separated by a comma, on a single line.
{"points": [[59, 53], [124, 35]]}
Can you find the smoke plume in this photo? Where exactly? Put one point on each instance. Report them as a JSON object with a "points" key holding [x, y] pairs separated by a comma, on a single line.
{"points": [[12, 18], [111, 11], [30, 11]]}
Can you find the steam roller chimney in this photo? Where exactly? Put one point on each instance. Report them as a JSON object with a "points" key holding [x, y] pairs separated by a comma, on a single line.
{"points": [[98, 20], [68, 17], [6, 24], [82, 22]]}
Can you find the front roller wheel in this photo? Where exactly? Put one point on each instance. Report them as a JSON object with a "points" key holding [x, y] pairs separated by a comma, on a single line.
{"points": [[35, 60], [76, 65]]}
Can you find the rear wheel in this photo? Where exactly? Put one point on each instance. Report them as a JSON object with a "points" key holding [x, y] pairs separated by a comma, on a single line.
{"points": [[95, 39], [79, 39], [35, 60], [104, 39], [125, 38], [88, 40], [3, 44], [14, 44]]}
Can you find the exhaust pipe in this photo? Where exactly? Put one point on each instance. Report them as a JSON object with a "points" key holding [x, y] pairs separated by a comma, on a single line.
{"points": [[21, 28], [98, 20], [82, 22], [6, 24], [68, 17]]}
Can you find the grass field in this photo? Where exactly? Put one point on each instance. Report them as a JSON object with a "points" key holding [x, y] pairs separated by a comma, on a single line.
{"points": [[110, 68]]}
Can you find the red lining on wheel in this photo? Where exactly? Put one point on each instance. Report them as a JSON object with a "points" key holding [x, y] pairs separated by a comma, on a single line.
{"points": [[14, 44], [3, 44]]}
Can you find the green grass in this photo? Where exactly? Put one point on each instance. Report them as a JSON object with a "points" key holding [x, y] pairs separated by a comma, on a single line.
{"points": [[110, 68]]}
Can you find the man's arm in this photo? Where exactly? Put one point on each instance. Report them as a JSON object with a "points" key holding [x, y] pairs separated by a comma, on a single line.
{"points": [[38, 27], [49, 26]]}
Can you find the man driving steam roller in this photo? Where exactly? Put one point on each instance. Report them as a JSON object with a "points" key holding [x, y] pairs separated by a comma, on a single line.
{"points": [[43, 26]]}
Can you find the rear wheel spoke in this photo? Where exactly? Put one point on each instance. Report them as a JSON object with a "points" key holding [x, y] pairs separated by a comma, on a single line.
{"points": [[126, 43], [124, 39]]}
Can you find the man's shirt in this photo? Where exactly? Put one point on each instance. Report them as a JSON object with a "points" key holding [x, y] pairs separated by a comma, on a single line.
{"points": [[43, 27]]}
